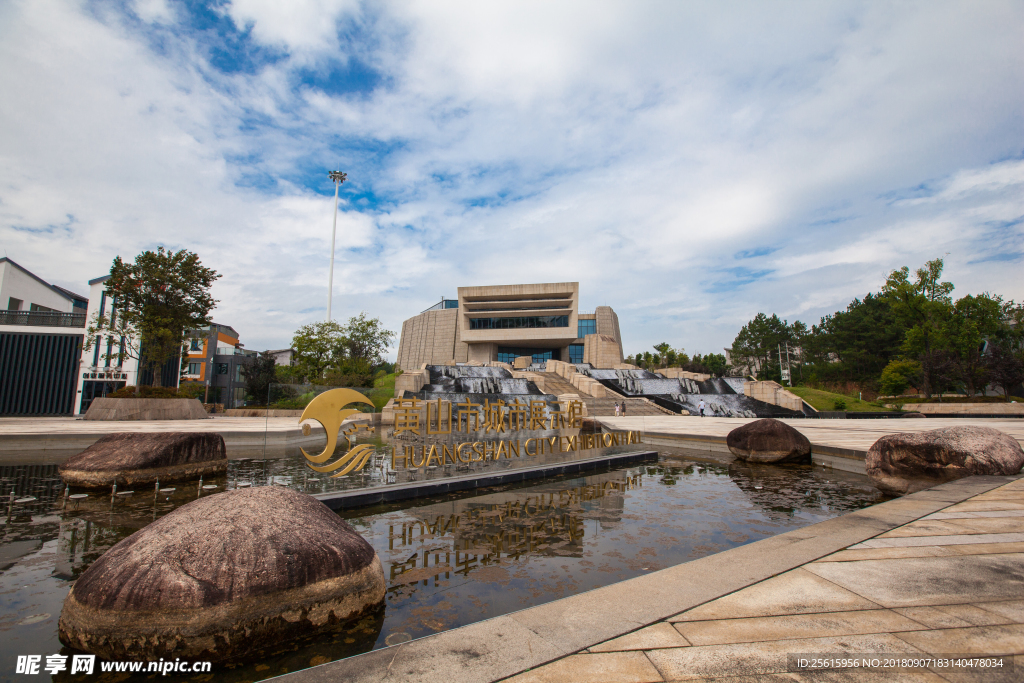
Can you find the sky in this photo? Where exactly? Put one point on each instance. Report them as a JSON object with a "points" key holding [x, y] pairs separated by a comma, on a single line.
{"points": [[688, 163]]}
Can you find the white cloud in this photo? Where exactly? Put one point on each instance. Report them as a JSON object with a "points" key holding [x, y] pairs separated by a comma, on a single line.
{"points": [[649, 150]]}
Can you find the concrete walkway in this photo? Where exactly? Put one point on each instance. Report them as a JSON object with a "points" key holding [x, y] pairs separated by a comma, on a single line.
{"points": [[940, 571]]}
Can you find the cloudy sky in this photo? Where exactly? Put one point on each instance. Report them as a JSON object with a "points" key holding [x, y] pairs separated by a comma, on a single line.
{"points": [[690, 164]]}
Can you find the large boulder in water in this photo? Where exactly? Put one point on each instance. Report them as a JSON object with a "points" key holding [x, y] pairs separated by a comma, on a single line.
{"points": [[134, 459], [768, 440], [221, 577], [909, 462]]}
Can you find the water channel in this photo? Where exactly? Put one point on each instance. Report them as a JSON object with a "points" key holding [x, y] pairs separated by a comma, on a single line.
{"points": [[450, 560]]}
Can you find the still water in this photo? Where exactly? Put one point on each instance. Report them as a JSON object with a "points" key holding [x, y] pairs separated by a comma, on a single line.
{"points": [[449, 560]]}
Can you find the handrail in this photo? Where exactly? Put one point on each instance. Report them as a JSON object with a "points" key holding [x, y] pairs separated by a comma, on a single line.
{"points": [[42, 318]]}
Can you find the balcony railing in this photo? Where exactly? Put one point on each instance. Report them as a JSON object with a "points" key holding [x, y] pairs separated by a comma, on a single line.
{"points": [[42, 319]]}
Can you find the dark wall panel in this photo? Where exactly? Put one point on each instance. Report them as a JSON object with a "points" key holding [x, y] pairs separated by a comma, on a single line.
{"points": [[38, 373]]}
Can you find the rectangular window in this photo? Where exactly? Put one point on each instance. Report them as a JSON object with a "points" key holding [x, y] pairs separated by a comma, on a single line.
{"points": [[14, 304], [508, 354], [222, 368], [238, 373], [196, 345], [576, 353], [585, 327], [519, 323], [194, 368]]}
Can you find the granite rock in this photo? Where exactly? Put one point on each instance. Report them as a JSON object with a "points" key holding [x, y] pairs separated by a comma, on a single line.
{"points": [[135, 459], [908, 462], [222, 577], [768, 441]]}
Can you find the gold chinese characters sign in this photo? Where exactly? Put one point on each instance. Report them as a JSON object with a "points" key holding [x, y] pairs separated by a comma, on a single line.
{"points": [[499, 417], [442, 418]]}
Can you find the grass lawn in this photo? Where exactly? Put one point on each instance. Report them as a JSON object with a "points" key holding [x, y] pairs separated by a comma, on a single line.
{"points": [[825, 400]]}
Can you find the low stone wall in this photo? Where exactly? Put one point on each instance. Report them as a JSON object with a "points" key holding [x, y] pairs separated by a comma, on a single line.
{"points": [[261, 412], [146, 409], [772, 392], [964, 408]]}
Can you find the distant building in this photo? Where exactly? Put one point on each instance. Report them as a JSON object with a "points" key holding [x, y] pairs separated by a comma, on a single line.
{"points": [[505, 322], [42, 328], [283, 356], [216, 359]]}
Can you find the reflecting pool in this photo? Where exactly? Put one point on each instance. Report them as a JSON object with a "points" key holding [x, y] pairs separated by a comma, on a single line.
{"points": [[449, 560]]}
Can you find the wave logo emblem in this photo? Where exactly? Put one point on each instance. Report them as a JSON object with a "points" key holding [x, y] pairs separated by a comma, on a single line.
{"points": [[327, 410]]}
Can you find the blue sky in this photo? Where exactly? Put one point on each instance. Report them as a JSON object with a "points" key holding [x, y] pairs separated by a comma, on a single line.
{"points": [[690, 164]]}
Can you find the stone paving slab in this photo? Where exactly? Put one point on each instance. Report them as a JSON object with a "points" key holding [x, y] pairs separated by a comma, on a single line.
{"points": [[595, 636]]}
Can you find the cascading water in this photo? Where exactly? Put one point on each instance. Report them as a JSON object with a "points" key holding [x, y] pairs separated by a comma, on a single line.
{"points": [[723, 397], [476, 384]]}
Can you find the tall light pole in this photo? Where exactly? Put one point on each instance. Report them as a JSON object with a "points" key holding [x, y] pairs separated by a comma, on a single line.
{"points": [[338, 177]]}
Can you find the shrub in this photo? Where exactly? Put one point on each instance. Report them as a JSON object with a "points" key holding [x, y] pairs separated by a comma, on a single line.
{"points": [[898, 375], [839, 404]]}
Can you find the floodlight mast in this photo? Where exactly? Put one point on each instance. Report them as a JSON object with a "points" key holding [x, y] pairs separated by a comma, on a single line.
{"points": [[338, 177]]}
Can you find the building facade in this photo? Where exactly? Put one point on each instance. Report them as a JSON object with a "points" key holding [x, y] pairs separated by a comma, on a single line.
{"points": [[42, 329], [216, 359], [505, 322]]}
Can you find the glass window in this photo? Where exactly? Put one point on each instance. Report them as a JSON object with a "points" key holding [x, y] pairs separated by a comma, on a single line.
{"points": [[222, 368], [519, 323], [508, 354], [14, 304], [197, 345], [576, 353], [585, 327], [194, 368]]}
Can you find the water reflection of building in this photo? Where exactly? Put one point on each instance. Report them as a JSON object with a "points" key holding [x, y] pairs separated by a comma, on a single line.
{"points": [[464, 535]]}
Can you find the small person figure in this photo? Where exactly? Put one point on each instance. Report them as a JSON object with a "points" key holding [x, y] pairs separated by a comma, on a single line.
{"points": [[700, 406], [623, 409], [617, 411]]}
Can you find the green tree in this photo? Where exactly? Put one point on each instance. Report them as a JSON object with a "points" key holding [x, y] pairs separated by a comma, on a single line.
{"points": [[922, 308], [318, 347], [663, 348], [715, 364], [1006, 368], [974, 320], [856, 344], [757, 344], [366, 339], [154, 301], [258, 376]]}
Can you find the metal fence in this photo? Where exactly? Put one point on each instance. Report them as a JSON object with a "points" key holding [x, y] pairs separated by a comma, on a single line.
{"points": [[42, 318]]}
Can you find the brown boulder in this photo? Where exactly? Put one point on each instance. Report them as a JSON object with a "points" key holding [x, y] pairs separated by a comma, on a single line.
{"points": [[908, 462], [221, 577], [134, 459], [768, 440]]}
